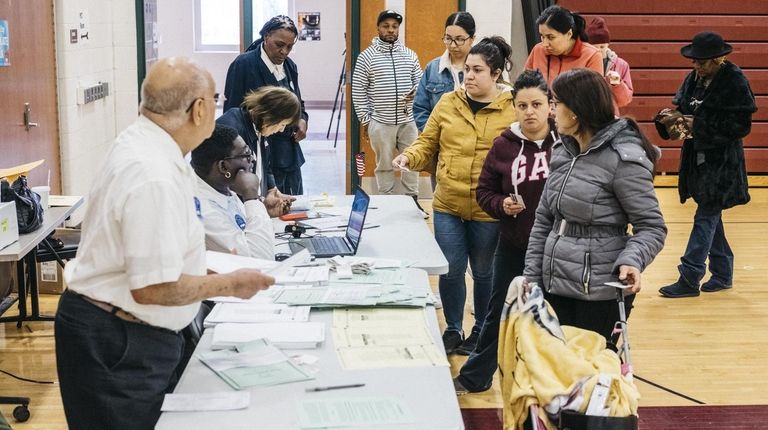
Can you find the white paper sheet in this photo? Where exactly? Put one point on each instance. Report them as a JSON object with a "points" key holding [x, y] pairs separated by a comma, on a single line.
{"points": [[223, 401]]}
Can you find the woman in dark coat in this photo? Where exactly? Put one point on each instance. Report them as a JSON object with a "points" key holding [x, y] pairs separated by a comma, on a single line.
{"points": [[716, 105], [266, 62]]}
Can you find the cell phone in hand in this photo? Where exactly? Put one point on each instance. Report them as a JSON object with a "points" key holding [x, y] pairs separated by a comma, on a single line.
{"points": [[517, 199]]}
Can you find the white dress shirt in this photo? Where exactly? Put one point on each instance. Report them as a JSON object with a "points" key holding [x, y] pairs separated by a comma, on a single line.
{"points": [[235, 227], [278, 70], [142, 226]]}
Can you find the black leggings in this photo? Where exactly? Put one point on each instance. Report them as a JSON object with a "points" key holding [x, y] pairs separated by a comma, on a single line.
{"points": [[598, 316]]}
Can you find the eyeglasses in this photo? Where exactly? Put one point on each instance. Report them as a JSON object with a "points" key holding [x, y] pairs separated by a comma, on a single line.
{"points": [[246, 156], [459, 41], [215, 99]]}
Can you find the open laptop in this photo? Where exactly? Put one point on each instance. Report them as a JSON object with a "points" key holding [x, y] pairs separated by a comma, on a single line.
{"points": [[322, 246]]}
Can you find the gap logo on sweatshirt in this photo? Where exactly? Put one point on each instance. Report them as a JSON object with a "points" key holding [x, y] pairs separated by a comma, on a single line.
{"points": [[537, 170]]}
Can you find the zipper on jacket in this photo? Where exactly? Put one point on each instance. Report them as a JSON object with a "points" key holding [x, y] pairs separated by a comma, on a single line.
{"points": [[586, 274], [397, 92]]}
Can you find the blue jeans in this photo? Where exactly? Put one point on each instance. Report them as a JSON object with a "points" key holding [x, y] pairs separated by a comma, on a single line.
{"points": [[477, 372], [461, 241], [707, 240]]}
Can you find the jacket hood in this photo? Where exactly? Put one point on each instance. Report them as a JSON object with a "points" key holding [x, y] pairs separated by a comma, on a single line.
{"points": [[515, 132], [383, 46]]}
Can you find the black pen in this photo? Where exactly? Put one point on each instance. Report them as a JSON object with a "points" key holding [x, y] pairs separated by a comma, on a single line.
{"points": [[333, 387]]}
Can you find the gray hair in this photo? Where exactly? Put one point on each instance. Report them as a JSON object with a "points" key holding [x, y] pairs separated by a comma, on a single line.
{"points": [[171, 96]]}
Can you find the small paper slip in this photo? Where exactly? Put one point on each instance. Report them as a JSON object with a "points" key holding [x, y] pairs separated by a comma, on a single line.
{"points": [[223, 401], [390, 277], [256, 313], [353, 411], [326, 222], [221, 262], [323, 200], [335, 210], [306, 335], [67, 201]]}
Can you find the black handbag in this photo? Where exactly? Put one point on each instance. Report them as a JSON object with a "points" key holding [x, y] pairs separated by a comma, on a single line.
{"points": [[570, 420], [29, 211]]}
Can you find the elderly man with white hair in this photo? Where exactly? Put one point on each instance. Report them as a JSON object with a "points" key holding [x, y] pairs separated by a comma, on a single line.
{"points": [[140, 273]]}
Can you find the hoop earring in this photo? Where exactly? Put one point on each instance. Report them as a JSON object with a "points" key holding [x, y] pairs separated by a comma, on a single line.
{"points": [[227, 175]]}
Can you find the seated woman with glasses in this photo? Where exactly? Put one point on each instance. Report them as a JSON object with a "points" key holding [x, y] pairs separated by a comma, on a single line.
{"points": [[236, 220]]}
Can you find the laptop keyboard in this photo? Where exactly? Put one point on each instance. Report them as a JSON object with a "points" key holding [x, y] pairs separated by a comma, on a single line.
{"points": [[328, 245]]}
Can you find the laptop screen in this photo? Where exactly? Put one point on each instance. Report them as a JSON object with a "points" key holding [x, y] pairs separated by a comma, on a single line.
{"points": [[357, 217]]}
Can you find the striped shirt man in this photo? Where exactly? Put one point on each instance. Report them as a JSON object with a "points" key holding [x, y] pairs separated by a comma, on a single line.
{"points": [[384, 74]]}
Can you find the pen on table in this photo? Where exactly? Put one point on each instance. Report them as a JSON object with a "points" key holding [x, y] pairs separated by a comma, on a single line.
{"points": [[333, 387]]}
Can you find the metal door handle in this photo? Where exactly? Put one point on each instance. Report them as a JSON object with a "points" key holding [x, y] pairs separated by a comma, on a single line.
{"points": [[27, 115]]}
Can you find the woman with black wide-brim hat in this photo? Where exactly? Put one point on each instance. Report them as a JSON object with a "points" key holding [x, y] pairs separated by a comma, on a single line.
{"points": [[716, 105]]}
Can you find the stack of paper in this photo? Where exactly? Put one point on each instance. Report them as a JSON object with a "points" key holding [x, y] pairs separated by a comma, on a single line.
{"points": [[255, 313], [254, 363], [346, 295], [377, 338], [307, 335]]}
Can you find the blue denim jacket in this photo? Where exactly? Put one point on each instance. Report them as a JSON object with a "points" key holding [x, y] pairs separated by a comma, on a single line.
{"points": [[434, 83]]}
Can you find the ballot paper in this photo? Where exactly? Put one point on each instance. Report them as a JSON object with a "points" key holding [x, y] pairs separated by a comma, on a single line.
{"points": [[384, 335], [255, 313], [306, 335], [256, 363], [345, 295], [362, 317], [222, 401], [222, 262], [376, 338], [375, 357], [373, 277], [353, 411]]}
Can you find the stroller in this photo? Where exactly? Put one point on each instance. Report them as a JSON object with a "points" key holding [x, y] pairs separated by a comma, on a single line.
{"points": [[608, 374]]}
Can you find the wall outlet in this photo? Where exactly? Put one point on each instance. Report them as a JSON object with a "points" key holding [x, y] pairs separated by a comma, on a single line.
{"points": [[92, 93]]}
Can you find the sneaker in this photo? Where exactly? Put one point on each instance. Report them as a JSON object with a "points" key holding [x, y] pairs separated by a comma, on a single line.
{"points": [[469, 343], [713, 286], [424, 213], [438, 301], [461, 390], [678, 289], [451, 340]]}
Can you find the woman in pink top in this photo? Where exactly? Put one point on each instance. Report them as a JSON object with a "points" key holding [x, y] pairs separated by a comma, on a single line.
{"points": [[562, 46], [616, 70]]}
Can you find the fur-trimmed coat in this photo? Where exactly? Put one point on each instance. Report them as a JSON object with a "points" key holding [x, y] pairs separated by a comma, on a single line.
{"points": [[712, 167]]}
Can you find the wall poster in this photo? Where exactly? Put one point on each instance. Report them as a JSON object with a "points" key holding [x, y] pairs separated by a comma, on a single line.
{"points": [[309, 25], [5, 55]]}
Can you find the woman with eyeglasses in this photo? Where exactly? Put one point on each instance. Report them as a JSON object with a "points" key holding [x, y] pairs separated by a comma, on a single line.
{"points": [[715, 103], [563, 45], [462, 127], [445, 73], [600, 182]]}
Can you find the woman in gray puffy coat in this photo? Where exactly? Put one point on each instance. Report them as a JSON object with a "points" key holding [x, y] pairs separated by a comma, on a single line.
{"points": [[600, 182]]}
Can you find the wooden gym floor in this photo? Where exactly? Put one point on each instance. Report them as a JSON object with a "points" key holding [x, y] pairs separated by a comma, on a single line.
{"points": [[710, 348]]}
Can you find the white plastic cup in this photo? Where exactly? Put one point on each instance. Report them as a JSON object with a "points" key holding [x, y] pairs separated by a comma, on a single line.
{"points": [[43, 191]]}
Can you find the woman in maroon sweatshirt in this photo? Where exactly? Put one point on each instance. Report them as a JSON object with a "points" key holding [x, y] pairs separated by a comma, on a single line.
{"points": [[509, 188]]}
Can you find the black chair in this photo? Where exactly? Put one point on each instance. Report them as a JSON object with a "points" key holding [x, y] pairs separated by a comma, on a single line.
{"points": [[50, 249], [21, 412]]}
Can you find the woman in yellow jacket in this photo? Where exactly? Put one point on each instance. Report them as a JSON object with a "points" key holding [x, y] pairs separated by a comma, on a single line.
{"points": [[462, 127]]}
